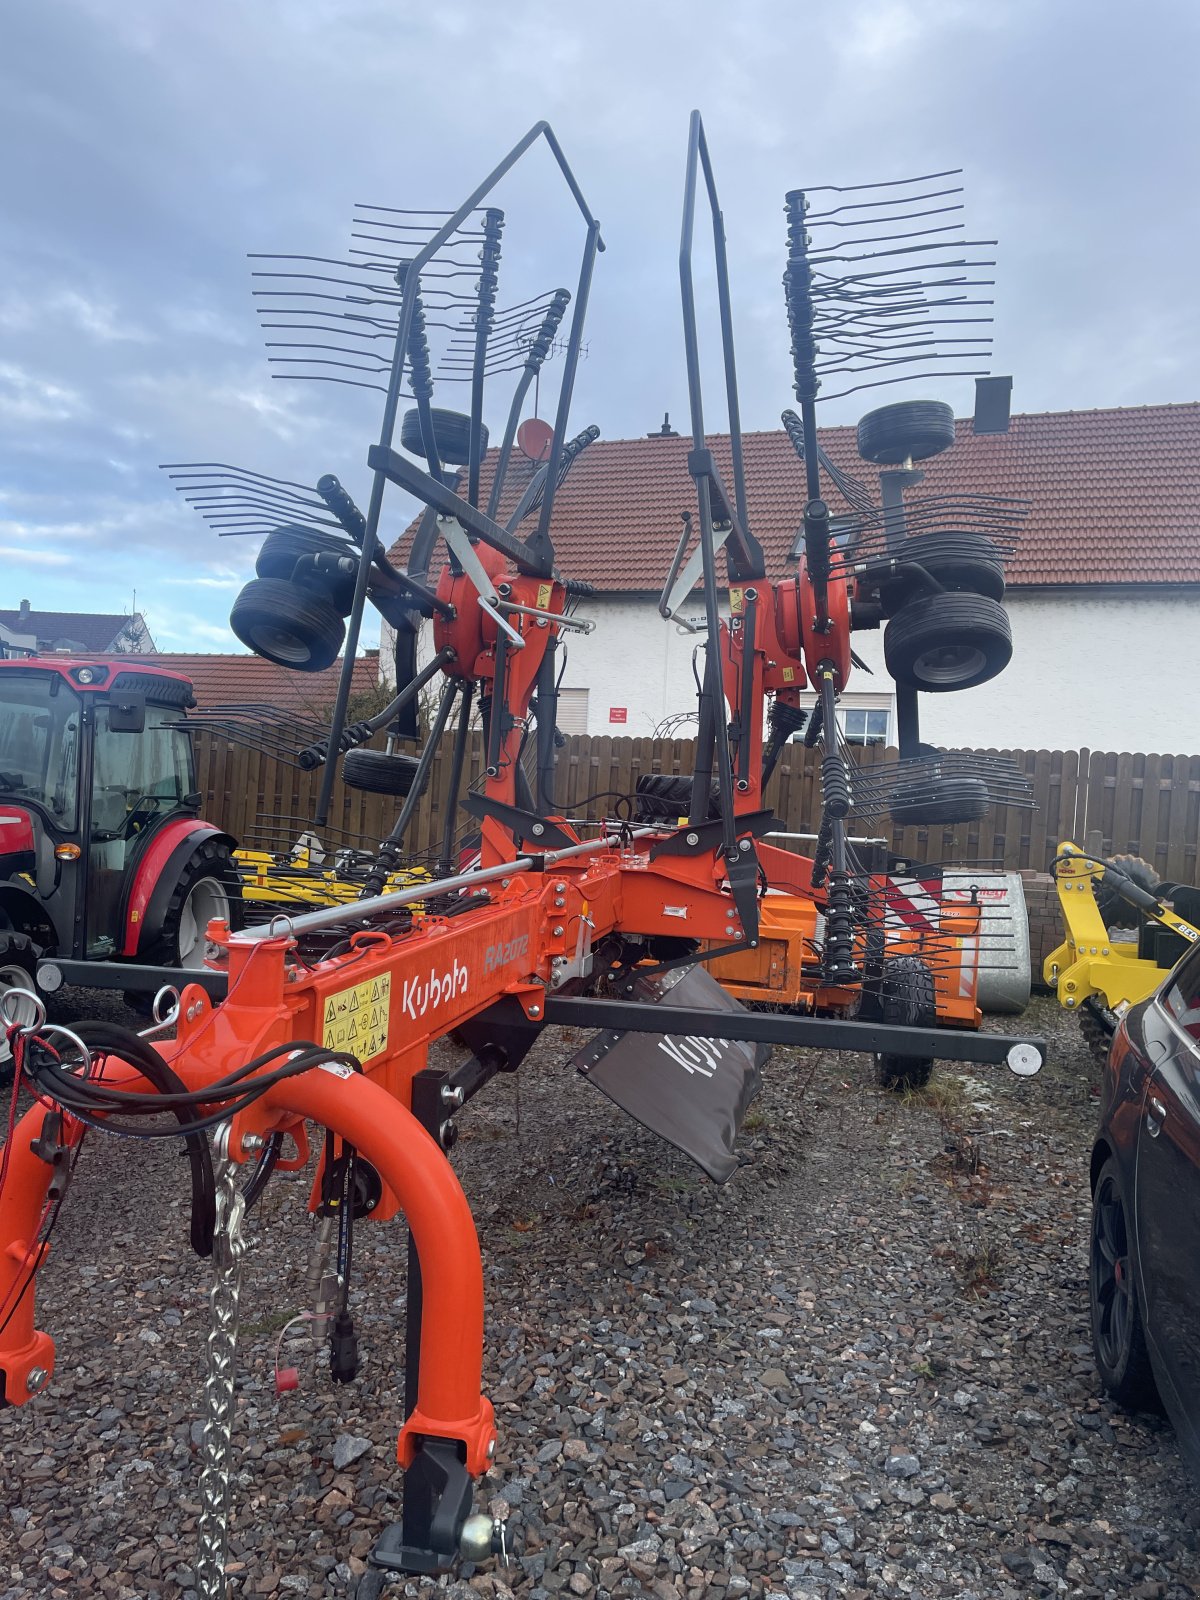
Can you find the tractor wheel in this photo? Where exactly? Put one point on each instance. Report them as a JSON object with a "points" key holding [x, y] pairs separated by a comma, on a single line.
{"points": [[907, 999], [958, 561], [908, 430], [287, 624], [663, 796], [378, 773], [1115, 911], [283, 548], [451, 432], [18, 970], [208, 889], [947, 641], [926, 802]]}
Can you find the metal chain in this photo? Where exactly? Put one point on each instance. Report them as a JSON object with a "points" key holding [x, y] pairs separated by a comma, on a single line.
{"points": [[228, 1249]]}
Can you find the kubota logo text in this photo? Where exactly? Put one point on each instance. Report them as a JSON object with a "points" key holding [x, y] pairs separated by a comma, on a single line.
{"points": [[421, 994], [695, 1055]]}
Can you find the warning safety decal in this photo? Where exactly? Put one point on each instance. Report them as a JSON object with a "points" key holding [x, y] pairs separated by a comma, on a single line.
{"points": [[356, 1019]]}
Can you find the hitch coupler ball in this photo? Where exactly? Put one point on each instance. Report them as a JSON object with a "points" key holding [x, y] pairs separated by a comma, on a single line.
{"points": [[475, 1542]]}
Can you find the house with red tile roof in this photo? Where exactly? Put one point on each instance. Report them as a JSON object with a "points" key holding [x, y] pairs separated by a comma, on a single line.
{"points": [[245, 680], [1103, 596]]}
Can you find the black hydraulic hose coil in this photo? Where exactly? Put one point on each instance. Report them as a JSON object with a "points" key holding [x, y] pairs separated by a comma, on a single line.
{"points": [[108, 1038]]}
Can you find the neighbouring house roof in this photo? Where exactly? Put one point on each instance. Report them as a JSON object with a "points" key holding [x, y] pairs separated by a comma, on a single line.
{"points": [[249, 680], [1114, 496], [92, 632]]}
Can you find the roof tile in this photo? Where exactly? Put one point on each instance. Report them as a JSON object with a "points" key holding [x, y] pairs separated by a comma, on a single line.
{"points": [[249, 680], [1114, 496]]}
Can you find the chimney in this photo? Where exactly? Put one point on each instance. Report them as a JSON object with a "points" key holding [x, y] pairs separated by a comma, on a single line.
{"points": [[24, 613]]}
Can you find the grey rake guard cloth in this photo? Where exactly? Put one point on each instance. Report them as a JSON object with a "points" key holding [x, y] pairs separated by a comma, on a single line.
{"points": [[692, 1092]]}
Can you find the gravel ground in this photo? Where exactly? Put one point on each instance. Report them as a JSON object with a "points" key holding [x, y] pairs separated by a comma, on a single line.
{"points": [[862, 1368]]}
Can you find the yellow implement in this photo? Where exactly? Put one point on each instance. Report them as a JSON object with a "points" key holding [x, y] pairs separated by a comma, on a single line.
{"points": [[1090, 963], [299, 880]]}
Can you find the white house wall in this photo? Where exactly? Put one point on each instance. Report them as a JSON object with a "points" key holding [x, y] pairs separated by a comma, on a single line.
{"points": [[1109, 673], [1118, 672]]}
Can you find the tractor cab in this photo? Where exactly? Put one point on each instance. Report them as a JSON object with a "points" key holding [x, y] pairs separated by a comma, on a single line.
{"points": [[101, 853]]}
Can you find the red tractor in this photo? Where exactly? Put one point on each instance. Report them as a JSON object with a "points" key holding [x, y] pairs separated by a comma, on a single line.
{"points": [[102, 854]]}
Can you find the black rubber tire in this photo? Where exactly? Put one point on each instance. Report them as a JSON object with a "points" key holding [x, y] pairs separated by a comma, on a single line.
{"points": [[907, 1000], [1118, 913], [18, 964], [376, 772], [869, 1007], [1186, 903], [212, 859], [288, 624], [961, 562], [663, 796], [946, 642], [451, 431], [906, 430], [284, 547], [927, 802], [1118, 1332]]}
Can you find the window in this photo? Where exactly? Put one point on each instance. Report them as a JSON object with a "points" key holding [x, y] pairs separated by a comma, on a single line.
{"points": [[864, 727], [572, 711], [138, 776], [864, 719], [39, 744], [1182, 997]]}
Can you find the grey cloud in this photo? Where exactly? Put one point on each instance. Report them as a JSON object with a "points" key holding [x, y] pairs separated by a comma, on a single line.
{"points": [[158, 144]]}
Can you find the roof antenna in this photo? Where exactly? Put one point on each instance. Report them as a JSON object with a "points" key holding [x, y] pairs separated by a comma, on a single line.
{"points": [[666, 431]]}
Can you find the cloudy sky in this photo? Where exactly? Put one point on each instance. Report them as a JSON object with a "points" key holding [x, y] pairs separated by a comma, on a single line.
{"points": [[150, 144]]}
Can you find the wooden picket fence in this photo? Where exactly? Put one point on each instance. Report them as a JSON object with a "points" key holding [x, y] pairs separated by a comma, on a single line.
{"points": [[1147, 805]]}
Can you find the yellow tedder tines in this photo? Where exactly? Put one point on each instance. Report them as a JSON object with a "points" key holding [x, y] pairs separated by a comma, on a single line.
{"points": [[300, 882]]}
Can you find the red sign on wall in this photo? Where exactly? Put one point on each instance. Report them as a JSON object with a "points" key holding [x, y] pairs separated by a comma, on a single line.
{"points": [[618, 713]]}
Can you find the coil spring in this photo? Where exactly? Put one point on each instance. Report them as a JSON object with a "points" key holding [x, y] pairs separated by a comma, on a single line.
{"points": [[420, 373], [835, 786], [489, 270], [797, 286], [540, 348]]}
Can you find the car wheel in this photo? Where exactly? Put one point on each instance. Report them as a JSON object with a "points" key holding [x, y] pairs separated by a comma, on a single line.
{"points": [[18, 970], [1118, 1334]]}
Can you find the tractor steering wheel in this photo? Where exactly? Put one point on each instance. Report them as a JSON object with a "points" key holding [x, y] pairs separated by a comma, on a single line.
{"points": [[149, 803]]}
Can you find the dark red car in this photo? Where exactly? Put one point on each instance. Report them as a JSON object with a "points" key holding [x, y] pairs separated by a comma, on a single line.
{"points": [[1145, 1247]]}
